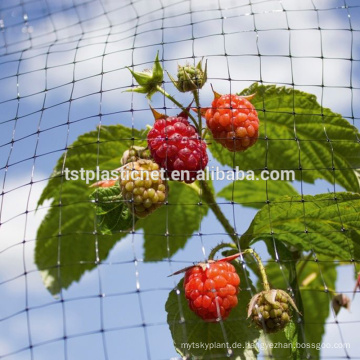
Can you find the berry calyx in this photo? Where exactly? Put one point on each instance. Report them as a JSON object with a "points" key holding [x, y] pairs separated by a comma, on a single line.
{"points": [[149, 80], [233, 121], [270, 310], [142, 187], [211, 289], [175, 145]]}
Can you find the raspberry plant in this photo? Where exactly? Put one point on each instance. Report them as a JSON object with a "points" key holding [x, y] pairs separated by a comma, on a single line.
{"points": [[242, 129]]}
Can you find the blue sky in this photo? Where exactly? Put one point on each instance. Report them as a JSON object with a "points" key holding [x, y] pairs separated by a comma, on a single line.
{"points": [[76, 40]]}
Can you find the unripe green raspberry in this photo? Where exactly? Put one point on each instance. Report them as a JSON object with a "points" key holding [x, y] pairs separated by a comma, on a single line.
{"points": [[270, 310], [142, 187], [190, 78], [135, 153]]}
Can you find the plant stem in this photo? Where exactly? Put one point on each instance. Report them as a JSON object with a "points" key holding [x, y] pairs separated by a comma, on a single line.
{"points": [[304, 263], [261, 267], [171, 98], [197, 102], [221, 246], [210, 200], [206, 130], [319, 288]]}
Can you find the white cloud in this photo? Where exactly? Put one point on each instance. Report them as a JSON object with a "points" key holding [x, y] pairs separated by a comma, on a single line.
{"points": [[4, 346], [94, 55], [19, 223]]}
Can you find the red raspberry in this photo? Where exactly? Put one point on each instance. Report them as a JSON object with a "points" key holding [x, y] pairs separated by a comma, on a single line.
{"points": [[233, 121], [211, 289], [175, 145]]}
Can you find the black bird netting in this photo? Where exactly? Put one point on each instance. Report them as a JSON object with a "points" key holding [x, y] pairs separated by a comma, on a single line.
{"points": [[74, 282]]}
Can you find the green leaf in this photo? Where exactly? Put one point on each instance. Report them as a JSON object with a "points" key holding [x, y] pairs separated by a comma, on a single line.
{"points": [[67, 245], [187, 328], [281, 345], [169, 227], [103, 148], [291, 336], [316, 296], [327, 224], [295, 131], [113, 215], [255, 194], [68, 241]]}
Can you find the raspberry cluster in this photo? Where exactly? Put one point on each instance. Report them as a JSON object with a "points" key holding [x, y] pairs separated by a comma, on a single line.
{"points": [[233, 122], [175, 145], [142, 187], [211, 289]]}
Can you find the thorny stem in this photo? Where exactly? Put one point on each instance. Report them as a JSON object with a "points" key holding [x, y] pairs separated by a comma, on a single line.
{"points": [[261, 267], [171, 98]]}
